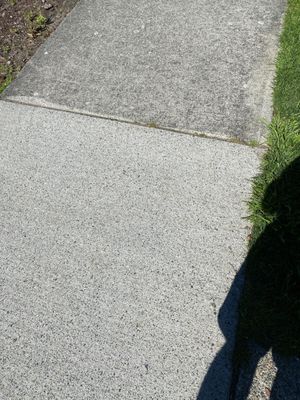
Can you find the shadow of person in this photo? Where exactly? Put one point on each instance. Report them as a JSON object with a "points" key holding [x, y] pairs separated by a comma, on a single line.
{"points": [[216, 384], [269, 306]]}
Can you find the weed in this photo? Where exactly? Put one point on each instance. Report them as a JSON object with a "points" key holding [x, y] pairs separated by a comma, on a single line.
{"points": [[6, 76], [254, 143], [152, 124], [5, 49], [36, 22]]}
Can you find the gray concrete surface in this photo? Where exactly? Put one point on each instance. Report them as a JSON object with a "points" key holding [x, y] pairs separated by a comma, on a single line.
{"points": [[118, 247], [200, 65]]}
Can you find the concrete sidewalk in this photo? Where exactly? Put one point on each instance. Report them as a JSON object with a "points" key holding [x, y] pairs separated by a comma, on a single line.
{"points": [[204, 66], [120, 243], [118, 247]]}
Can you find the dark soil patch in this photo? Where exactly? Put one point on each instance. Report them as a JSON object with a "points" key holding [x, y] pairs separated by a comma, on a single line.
{"points": [[24, 25]]}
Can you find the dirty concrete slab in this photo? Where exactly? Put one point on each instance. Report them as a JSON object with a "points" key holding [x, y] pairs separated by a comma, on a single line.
{"points": [[204, 66]]}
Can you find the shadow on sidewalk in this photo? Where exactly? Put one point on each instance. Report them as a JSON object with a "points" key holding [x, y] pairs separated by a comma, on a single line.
{"points": [[269, 304]]}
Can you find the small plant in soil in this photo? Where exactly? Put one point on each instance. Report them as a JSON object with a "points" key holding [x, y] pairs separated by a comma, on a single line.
{"points": [[6, 76], [36, 22]]}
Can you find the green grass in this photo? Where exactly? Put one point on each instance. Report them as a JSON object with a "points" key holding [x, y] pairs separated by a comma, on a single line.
{"points": [[8, 71], [283, 148], [287, 84], [270, 304], [35, 21]]}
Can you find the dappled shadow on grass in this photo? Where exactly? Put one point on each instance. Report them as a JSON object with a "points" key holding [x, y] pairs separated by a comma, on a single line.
{"points": [[269, 308]]}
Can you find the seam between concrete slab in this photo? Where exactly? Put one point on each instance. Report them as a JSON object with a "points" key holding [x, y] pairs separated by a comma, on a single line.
{"points": [[204, 135]]}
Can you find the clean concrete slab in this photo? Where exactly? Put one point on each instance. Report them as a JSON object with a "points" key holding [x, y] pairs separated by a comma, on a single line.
{"points": [[118, 246], [199, 65]]}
